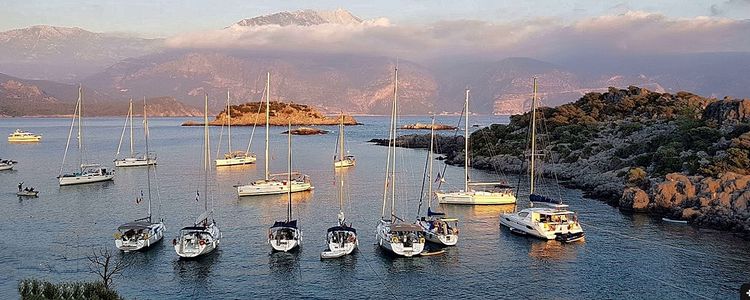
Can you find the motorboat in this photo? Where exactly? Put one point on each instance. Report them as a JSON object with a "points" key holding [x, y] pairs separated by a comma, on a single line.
{"points": [[24, 136], [6, 164]]}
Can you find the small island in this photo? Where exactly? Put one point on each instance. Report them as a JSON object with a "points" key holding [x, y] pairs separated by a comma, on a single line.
{"points": [[306, 131], [420, 126], [281, 114]]}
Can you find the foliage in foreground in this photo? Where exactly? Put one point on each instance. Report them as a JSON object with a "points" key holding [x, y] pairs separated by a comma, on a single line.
{"points": [[32, 289]]}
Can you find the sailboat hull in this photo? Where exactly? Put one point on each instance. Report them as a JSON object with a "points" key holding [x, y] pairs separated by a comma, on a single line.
{"points": [[156, 233], [395, 245], [73, 180], [284, 239], [272, 188], [134, 162], [198, 243], [437, 238], [475, 198], [235, 161], [344, 163]]}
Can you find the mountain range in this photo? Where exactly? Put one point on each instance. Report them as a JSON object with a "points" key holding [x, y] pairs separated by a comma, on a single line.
{"points": [[117, 67]]}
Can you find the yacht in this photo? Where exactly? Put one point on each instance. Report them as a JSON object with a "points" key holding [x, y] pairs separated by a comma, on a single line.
{"points": [[341, 160], [134, 159], [233, 158], [24, 136], [342, 238], [285, 235]]}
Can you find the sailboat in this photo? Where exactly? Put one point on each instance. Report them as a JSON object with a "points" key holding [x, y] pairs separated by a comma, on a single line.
{"points": [[134, 160], [271, 184], [286, 235], [233, 158], [552, 219], [143, 232], [342, 238], [87, 172], [204, 235], [392, 233], [475, 193], [437, 228], [341, 160]]}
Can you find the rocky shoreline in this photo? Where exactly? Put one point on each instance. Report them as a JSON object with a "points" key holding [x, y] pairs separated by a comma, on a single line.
{"points": [[281, 114], [425, 126], [680, 156]]}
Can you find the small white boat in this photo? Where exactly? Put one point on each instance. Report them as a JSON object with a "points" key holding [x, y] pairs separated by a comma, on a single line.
{"points": [[87, 172], [271, 184], [674, 221], [285, 235], [551, 220], [135, 159], [6, 164], [476, 193], [27, 192], [233, 158], [24, 136], [341, 160], [204, 235]]}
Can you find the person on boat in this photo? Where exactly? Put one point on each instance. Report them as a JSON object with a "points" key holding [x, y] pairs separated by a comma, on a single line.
{"points": [[20, 186]]}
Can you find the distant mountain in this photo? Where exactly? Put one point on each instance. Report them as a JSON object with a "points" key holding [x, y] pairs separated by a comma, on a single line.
{"points": [[332, 83], [305, 17], [21, 97], [65, 53]]}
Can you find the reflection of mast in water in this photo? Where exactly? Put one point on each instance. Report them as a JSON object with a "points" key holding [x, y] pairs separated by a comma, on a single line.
{"points": [[196, 271], [552, 250]]}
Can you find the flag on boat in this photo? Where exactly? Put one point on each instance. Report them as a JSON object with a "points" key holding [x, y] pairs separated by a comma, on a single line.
{"points": [[139, 199], [439, 178], [197, 195]]}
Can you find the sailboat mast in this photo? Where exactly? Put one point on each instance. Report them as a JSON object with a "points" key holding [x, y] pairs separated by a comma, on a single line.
{"points": [[130, 116], [289, 170], [466, 142], [395, 122], [429, 157], [268, 107], [341, 175], [391, 142], [341, 138], [205, 153], [229, 123], [148, 165], [80, 129], [533, 139]]}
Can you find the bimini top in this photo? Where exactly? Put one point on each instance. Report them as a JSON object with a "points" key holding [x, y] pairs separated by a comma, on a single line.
{"points": [[405, 227], [342, 228], [135, 225], [431, 213], [292, 224], [544, 199], [194, 228]]}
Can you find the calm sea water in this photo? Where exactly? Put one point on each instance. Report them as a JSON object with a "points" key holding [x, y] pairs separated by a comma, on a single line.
{"points": [[624, 257]]}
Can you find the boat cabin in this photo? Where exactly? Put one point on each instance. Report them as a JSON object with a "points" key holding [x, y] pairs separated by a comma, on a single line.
{"points": [[283, 230], [407, 234], [342, 234]]}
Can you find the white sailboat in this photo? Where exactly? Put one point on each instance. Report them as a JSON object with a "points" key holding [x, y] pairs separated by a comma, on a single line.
{"points": [[437, 228], [87, 172], [552, 219], [143, 232], [233, 158], [271, 184], [204, 235], [134, 159], [341, 160], [286, 235], [476, 193], [342, 238], [392, 233]]}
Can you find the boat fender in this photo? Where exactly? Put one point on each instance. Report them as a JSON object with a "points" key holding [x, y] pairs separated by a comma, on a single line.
{"points": [[146, 236], [394, 239], [202, 242], [421, 240], [174, 242], [270, 236], [117, 235]]}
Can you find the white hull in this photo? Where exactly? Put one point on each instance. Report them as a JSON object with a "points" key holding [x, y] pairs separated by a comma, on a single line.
{"points": [[191, 246], [344, 163], [134, 162], [28, 194], [235, 161], [6, 167], [285, 244], [24, 139], [394, 245], [337, 250], [157, 233], [71, 180], [438, 238], [271, 188], [475, 198], [536, 229]]}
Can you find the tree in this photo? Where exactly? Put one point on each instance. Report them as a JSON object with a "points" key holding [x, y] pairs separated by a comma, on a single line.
{"points": [[105, 265]]}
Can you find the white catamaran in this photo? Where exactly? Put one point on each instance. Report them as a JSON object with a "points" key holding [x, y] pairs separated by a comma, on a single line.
{"points": [[286, 235], [342, 238], [233, 158], [437, 228], [341, 160], [204, 235], [392, 233], [271, 184], [475, 193], [552, 220], [87, 172], [134, 159], [143, 232]]}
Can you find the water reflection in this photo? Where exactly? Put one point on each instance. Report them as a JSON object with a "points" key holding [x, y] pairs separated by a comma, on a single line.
{"points": [[552, 250], [284, 264]]}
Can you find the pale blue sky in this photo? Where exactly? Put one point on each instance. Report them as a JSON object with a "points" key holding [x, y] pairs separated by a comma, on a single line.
{"points": [[160, 18]]}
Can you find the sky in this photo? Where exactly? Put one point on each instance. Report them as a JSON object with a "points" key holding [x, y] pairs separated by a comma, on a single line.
{"points": [[165, 18]]}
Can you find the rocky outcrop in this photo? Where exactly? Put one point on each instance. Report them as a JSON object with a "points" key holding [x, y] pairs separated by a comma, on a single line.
{"points": [[281, 114], [728, 111], [634, 199], [306, 131]]}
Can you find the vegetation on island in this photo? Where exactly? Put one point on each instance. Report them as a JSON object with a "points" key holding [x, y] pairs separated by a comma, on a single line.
{"points": [[280, 114]]}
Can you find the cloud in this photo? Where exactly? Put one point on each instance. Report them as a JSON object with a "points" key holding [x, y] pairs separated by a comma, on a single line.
{"points": [[730, 7], [632, 32]]}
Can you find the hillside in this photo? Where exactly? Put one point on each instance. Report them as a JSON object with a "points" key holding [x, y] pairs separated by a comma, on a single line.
{"points": [[281, 114]]}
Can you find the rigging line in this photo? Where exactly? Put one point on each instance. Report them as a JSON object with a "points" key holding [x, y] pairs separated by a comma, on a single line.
{"points": [[70, 134], [424, 178], [367, 262], [255, 123], [158, 196], [122, 135], [455, 134], [221, 135]]}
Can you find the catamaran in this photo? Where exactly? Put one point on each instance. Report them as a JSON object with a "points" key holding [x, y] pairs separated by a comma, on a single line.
{"points": [[286, 235], [204, 235], [134, 159], [143, 232], [392, 233], [24, 136], [342, 238], [271, 184], [87, 172], [552, 219], [341, 160], [437, 227], [475, 193], [233, 158]]}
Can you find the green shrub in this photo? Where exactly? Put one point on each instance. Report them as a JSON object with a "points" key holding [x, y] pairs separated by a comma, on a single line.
{"points": [[32, 289]]}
